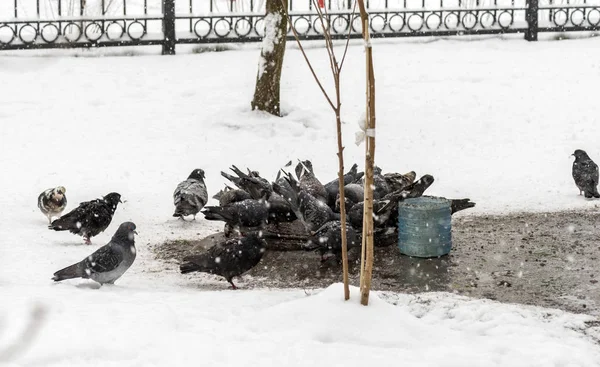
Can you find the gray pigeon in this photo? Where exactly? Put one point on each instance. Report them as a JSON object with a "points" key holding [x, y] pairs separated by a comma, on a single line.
{"points": [[109, 262], [309, 182], [190, 196], [52, 202], [585, 174], [229, 259]]}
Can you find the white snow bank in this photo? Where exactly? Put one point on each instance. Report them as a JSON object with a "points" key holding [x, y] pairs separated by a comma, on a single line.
{"points": [[116, 325]]}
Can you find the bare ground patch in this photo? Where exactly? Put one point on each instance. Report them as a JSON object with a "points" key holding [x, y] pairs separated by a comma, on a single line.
{"points": [[543, 259]]}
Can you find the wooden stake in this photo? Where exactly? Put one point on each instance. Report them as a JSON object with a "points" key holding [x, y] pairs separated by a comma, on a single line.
{"points": [[367, 264]]}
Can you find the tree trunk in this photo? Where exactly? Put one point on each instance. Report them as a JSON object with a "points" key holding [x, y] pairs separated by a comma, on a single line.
{"points": [[266, 94]]}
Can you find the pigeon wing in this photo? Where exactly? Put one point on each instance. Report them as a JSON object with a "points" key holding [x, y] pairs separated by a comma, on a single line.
{"points": [[103, 260], [191, 191]]}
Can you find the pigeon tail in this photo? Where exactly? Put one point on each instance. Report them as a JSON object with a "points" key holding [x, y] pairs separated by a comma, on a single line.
{"points": [[60, 224], [460, 204], [189, 267], [70, 272], [216, 213], [310, 246]]}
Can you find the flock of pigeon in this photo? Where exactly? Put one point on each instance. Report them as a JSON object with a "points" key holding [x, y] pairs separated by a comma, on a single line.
{"points": [[248, 207]]}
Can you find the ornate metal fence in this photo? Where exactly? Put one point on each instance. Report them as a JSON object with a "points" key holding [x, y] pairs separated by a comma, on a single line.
{"points": [[38, 24]]}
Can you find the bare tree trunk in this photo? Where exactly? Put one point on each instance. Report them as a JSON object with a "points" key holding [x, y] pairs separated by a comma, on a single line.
{"points": [[266, 94], [336, 70]]}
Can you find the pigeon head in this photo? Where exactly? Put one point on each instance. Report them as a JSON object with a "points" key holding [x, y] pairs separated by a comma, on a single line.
{"points": [[580, 154], [303, 167], [197, 174], [376, 170], [58, 192], [426, 181], [113, 199], [125, 234]]}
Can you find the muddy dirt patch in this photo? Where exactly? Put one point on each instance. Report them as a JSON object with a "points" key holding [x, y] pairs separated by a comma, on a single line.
{"points": [[543, 259]]}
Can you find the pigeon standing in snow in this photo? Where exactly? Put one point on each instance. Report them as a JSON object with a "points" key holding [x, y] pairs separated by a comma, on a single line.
{"points": [[585, 174], [228, 259], [109, 262], [90, 218], [190, 196], [53, 202]]}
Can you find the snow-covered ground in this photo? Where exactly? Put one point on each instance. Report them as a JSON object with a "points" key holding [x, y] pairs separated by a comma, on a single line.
{"points": [[492, 120]]}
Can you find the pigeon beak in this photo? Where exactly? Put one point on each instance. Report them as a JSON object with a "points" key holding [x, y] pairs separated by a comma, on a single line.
{"points": [[136, 232]]}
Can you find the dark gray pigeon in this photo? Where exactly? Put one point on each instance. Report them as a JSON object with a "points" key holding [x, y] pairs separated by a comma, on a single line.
{"points": [[90, 218], [109, 262], [333, 187], [313, 212], [228, 259], [229, 195], [585, 174], [327, 240], [354, 193], [190, 196], [245, 213]]}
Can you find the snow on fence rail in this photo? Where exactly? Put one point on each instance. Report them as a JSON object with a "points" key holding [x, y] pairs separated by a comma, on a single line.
{"points": [[35, 24]]}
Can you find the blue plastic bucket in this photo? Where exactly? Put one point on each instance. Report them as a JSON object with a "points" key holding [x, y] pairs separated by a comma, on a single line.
{"points": [[425, 227]]}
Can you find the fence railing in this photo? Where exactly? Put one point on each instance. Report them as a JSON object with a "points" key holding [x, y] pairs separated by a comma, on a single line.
{"points": [[39, 24]]}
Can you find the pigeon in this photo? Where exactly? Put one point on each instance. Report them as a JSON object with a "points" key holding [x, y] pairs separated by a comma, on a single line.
{"points": [[53, 202], [384, 209], [228, 259], [309, 182], [354, 193], [327, 240], [398, 181], [381, 186], [314, 213], [245, 213], [90, 218], [333, 187], [230, 195], [109, 262], [585, 174], [190, 196], [258, 188]]}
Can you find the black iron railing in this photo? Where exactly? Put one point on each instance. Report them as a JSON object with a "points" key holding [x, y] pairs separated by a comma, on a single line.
{"points": [[69, 24]]}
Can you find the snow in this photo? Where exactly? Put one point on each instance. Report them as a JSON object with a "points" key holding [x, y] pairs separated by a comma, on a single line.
{"points": [[271, 38], [493, 120]]}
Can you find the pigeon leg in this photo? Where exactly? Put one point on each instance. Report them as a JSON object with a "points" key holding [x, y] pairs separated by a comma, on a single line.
{"points": [[194, 217], [87, 240], [230, 280]]}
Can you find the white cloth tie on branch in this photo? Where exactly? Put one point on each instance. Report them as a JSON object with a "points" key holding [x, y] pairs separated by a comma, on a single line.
{"points": [[363, 132]]}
